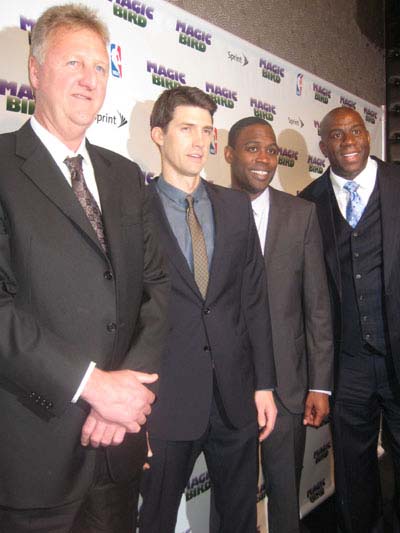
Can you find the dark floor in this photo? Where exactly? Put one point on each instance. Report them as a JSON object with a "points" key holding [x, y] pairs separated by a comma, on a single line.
{"points": [[322, 519]]}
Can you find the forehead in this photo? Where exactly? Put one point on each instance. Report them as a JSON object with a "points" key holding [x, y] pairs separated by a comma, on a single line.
{"points": [[343, 119], [256, 133], [64, 39], [191, 115]]}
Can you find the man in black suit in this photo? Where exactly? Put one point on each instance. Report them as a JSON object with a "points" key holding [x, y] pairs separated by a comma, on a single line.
{"points": [[83, 297], [300, 313], [357, 202], [218, 363]]}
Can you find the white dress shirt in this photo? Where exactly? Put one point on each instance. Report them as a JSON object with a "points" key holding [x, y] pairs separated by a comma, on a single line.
{"points": [[59, 152], [260, 207], [366, 181]]}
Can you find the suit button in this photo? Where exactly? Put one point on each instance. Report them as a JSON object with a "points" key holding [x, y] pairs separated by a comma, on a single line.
{"points": [[207, 311], [356, 255], [367, 336], [358, 276], [206, 348], [355, 234], [111, 327], [108, 275]]}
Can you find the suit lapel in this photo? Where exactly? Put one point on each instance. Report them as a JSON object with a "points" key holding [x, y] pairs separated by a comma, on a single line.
{"points": [[323, 199], [276, 218], [216, 268], [389, 192], [42, 170], [108, 186], [171, 247]]}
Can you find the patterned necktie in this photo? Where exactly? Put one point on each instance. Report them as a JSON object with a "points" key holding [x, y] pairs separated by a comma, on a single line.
{"points": [[85, 197], [200, 260], [354, 207]]}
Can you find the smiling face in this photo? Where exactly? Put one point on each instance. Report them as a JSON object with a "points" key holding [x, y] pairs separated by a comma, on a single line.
{"points": [[253, 159], [345, 142], [184, 144], [70, 84]]}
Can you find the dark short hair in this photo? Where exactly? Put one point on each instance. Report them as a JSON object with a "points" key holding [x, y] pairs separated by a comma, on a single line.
{"points": [[241, 124], [169, 100]]}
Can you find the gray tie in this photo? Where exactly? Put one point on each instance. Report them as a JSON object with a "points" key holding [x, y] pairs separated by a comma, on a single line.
{"points": [[200, 260], [85, 197]]}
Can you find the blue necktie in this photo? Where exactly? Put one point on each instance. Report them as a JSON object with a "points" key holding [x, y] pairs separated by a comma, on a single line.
{"points": [[354, 207]]}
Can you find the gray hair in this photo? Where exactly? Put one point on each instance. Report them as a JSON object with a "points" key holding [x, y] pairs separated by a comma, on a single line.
{"points": [[69, 16]]}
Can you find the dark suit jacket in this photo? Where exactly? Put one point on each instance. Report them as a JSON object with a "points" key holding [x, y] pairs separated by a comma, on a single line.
{"points": [[298, 300], [63, 303], [320, 192], [229, 331]]}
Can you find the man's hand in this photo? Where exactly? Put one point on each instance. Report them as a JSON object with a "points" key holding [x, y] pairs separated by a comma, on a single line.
{"points": [[119, 397], [266, 412], [97, 431], [316, 409]]}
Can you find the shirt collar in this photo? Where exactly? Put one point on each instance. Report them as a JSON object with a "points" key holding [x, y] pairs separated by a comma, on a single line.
{"points": [[365, 179], [177, 195], [261, 202], [57, 149]]}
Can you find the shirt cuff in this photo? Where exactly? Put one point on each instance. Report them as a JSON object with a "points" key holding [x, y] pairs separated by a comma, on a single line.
{"points": [[328, 392], [85, 379]]}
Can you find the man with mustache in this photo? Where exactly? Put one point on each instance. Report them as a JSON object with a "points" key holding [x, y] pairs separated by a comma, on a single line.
{"points": [[357, 202], [300, 314]]}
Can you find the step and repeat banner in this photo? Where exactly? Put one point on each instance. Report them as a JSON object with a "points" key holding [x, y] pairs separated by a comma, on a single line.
{"points": [[155, 46]]}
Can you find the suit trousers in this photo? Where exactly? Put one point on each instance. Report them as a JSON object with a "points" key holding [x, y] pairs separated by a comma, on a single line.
{"points": [[282, 456], [108, 507], [231, 457], [366, 389]]}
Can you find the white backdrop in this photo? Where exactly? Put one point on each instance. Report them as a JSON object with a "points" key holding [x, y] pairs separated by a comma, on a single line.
{"points": [[154, 46]]}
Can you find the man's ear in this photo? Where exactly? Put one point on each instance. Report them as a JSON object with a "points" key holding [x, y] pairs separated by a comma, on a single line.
{"points": [[157, 136], [228, 153], [33, 69], [322, 147]]}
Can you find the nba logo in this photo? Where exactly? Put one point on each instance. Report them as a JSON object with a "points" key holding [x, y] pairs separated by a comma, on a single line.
{"points": [[299, 84], [214, 142], [116, 63]]}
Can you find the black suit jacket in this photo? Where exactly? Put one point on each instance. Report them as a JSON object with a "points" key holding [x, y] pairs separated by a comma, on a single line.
{"points": [[63, 303], [298, 300], [229, 331], [320, 192]]}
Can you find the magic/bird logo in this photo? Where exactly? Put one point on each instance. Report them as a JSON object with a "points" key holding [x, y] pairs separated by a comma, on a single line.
{"points": [[133, 11], [165, 76], [193, 37], [271, 71], [222, 96], [19, 98], [263, 109]]}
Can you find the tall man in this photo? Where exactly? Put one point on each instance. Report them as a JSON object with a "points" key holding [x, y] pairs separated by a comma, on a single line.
{"points": [[218, 362], [300, 313], [357, 203], [82, 297]]}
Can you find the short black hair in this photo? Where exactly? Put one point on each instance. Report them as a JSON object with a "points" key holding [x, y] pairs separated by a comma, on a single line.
{"points": [[241, 124]]}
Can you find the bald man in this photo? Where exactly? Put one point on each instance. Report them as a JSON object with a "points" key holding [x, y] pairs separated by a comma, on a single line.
{"points": [[358, 200]]}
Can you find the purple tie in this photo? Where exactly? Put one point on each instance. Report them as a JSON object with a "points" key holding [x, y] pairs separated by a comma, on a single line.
{"points": [[85, 197]]}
